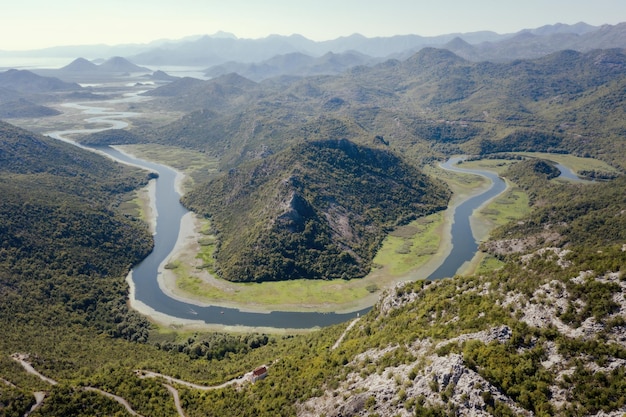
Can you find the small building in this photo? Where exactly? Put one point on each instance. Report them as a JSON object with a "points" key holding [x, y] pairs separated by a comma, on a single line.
{"points": [[258, 374]]}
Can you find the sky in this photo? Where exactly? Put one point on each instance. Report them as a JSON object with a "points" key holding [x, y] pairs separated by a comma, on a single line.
{"points": [[35, 24]]}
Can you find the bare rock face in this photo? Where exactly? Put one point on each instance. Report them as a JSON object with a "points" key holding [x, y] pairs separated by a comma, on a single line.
{"points": [[445, 381], [396, 297]]}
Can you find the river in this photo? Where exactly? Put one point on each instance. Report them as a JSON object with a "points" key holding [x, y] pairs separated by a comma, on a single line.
{"points": [[170, 212], [464, 245]]}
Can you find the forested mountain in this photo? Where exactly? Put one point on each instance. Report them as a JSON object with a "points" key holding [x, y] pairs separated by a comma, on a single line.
{"points": [[60, 236], [317, 210], [314, 162]]}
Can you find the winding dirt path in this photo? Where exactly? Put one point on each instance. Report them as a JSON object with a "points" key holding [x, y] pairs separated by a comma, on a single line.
{"points": [[174, 393], [9, 383], [116, 398], [40, 396], [171, 380], [22, 359], [350, 326]]}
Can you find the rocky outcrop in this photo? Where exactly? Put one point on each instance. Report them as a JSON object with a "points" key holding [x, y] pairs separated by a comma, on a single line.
{"points": [[446, 380]]}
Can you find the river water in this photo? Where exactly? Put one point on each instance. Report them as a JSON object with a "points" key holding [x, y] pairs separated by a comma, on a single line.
{"points": [[169, 215], [464, 245]]}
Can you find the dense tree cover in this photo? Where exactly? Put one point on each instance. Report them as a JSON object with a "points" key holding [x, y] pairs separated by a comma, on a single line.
{"points": [[64, 251], [110, 137], [317, 210], [62, 304], [583, 215], [523, 141], [61, 242], [214, 345]]}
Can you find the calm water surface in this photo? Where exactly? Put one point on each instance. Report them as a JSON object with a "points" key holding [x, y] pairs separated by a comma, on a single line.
{"points": [[169, 215]]}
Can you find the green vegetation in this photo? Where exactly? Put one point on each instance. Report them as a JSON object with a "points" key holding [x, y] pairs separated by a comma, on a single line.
{"points": [[317, 211], [431, 105], [573, 212], [537, 333], [319, 295], [410, 246], [197, 167]]}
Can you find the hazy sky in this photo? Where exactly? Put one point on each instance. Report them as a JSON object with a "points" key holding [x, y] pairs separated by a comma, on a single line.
{"points": [[32, 24]]}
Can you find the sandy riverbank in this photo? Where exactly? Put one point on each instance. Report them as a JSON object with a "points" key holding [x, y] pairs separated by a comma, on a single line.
{"points": [[187, 247]]}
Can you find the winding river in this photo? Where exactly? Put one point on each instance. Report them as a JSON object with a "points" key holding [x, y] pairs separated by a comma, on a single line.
{"points": [[169, 215], [464, 245]]}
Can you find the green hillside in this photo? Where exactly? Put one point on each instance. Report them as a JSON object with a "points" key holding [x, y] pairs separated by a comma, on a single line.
{"points": [[536, 337], [63, 245], [427, 106], [541, 333], [317, 210]]}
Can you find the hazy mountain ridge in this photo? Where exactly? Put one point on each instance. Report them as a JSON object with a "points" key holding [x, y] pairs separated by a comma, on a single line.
{"points": [[540, 42], [488, 45], [219, 49], [27, 82], [295, 64], [24, 94]]}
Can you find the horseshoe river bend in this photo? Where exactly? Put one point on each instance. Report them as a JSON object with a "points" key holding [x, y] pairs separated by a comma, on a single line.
{"points": [[148, 296]]}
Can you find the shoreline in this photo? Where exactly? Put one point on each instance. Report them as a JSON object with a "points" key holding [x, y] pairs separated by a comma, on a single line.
{"points": [[186, 246], [167, 279]]}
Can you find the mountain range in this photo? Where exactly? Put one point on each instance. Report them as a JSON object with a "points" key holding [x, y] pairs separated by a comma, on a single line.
{"points": [[209, 50], [433, 97], [427, 107], [313, 172], [224, 49]]}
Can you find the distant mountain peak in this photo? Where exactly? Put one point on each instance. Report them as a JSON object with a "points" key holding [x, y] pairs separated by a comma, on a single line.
{"points": [[119, 64], [433, 56], [220, 34], [80, 65], [457, 43], [234, 79]]}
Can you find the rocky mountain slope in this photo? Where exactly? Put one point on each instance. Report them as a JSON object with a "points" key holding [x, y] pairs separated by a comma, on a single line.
{"points": [[316, 210], [545, 335]]}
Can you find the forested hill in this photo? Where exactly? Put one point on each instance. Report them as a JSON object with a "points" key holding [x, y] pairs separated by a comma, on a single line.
{"points": [[317, 210], [541, 335], [61, 237]]}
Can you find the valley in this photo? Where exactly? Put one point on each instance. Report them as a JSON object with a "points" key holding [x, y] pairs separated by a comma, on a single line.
{"points": [[338, 179], [180, 276]]}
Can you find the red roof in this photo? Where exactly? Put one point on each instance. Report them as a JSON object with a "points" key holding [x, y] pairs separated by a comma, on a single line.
{"points": [[259, 371]]}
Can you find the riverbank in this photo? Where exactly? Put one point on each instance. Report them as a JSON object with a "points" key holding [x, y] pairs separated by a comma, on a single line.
{"points": [[184, 256]]}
